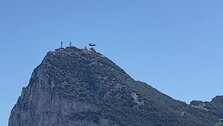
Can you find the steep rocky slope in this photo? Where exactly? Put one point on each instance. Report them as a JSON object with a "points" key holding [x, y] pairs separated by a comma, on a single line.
{"points": [[81, 87]]}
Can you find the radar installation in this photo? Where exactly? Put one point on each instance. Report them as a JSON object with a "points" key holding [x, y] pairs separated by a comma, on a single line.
{"points": [[70, 44], [92, 44]]}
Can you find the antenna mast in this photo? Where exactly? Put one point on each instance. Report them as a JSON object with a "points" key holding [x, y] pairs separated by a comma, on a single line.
{"points": [[61, 44]]}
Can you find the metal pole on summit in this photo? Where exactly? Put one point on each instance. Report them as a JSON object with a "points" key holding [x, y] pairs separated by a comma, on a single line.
{"points": [[70, 44], [61, 44]]}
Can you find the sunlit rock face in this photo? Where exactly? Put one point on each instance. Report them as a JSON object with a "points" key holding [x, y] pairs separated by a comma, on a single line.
{"points": [[81, 87]]}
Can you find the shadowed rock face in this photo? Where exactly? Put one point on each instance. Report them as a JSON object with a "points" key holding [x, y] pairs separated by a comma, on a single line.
{"points": [[80, 87]]}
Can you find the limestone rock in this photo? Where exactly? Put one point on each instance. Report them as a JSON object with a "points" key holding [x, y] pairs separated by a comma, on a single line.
{"points": [[81, 87]]}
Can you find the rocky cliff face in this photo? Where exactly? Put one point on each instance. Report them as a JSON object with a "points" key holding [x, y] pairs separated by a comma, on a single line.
{"points": [[81, 87]]}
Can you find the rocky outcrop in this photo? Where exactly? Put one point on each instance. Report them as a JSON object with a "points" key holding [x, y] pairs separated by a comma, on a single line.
{"points": [[215, 106], [81, 87]]}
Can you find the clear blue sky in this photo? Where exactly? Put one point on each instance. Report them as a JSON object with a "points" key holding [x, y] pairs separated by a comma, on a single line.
{"points": [[174, 45]]}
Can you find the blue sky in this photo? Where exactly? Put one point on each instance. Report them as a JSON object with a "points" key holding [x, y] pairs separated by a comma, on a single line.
{"points": [[173, 45]]}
